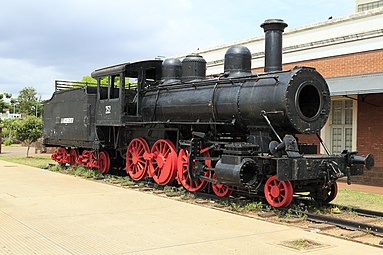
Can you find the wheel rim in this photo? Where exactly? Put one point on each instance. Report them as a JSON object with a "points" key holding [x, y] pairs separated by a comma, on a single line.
{"points": [[221, 190], [61, 154], [73, 157], [325, 196], [84, 158], [91, 160], [182, 172], [163, 165], [136, 165], [103, 162], [332, 192], [278, 193]]}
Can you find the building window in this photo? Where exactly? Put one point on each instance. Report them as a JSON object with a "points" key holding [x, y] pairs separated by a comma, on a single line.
{"points": [[370, 5], [341, 126]]}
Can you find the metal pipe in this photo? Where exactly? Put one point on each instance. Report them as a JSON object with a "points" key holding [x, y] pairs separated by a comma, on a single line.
{"points": [[273, 44]]}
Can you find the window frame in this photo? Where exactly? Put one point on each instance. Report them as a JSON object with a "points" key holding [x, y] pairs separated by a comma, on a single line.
{"points": [[327, 131], [112, 85]]}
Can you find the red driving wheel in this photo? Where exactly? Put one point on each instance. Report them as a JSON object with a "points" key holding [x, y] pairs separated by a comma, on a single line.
{"points": [[278, 193], [163, 165], [103, 162], [182, 172], [221, 190], [83, 159], [73, 157], [61, 154], [136, 164]]}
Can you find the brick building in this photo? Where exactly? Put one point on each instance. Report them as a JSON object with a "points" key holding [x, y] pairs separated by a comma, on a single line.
{"points": [[348, 52]]}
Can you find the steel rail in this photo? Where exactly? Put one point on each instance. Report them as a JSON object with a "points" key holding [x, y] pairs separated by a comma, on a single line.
{"points": [[368, 213], [349, 224]]}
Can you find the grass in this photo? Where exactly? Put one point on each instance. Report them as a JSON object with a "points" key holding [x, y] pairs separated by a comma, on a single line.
{"points": [[35, 161], [244, 206], [301, 244], [174, 191], [13, 144], [359, 199]]}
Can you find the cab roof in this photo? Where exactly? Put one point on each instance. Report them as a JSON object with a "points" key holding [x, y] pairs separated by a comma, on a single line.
{"points": [[152, 67]]}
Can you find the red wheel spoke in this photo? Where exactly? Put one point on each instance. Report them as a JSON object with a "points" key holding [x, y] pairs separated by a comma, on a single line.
{"points": [[141, 161], [156, 171], [221, 190], [140, 150], [167, 152], [163, 163], [103, 161], [183, 175], [160, 147], [278, 193], [136, 165]]}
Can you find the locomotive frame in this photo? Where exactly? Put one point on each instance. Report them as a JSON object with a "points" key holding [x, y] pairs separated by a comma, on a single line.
{"points": [[236, 131]]}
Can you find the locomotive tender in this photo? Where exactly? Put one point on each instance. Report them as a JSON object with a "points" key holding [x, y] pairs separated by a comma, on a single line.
{"points": [[233, 132]]}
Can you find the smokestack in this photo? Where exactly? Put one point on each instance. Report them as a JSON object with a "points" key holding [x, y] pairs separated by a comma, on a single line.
{"points": [[273, 44]]}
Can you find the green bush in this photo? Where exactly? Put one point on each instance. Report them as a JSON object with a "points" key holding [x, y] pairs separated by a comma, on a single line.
{"points": [[28, 130], [9, 127], [7, 142]]}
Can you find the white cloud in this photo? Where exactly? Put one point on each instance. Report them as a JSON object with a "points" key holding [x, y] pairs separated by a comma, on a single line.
{"points": [[24, 74], [44, 40]]}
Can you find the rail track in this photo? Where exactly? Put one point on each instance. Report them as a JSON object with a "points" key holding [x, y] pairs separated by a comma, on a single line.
{"points": [[345, 223]]}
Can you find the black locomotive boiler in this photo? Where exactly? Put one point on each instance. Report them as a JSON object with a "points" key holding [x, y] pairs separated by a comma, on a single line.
{"points": [[232, 132]]}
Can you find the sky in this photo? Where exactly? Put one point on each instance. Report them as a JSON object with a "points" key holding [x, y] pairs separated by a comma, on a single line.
{"points": [[46, 40]]}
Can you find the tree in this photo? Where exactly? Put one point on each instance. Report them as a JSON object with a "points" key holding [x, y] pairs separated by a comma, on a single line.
{"points": [[88, 79], [3, 104], [29, 103], [93, 82], [104, 81], [9, 128], [14, 104], [28, 130]]}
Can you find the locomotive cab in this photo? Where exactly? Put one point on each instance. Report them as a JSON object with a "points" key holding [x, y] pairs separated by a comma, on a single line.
{"points": [[118, 100]]}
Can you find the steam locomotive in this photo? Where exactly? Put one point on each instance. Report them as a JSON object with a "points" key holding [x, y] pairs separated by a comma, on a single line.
{"points": [[232, 132]]}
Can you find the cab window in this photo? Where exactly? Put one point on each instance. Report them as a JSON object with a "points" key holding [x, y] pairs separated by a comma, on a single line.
{"points": [[109, 87]]}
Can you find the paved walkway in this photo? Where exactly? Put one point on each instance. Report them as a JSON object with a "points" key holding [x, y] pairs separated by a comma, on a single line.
{"points": [[43, 212], [20, 151]]}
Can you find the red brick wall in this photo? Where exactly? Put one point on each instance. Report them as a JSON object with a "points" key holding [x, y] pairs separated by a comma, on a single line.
{"points": [[370, 112], [309, 139], [370, 135], [344, 65]]}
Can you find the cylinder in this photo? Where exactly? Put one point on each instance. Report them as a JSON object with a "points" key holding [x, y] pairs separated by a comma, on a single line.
{"points": [[273, 44], [242, 174]]}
